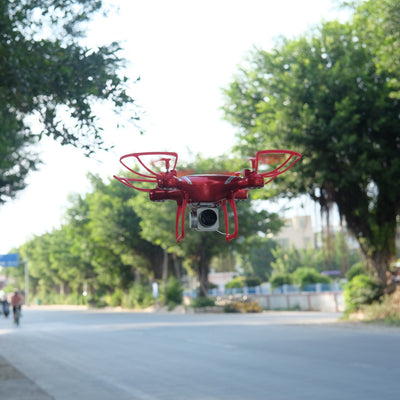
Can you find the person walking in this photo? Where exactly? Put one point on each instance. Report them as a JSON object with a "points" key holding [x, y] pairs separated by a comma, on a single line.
{"points": [[5, 307]]}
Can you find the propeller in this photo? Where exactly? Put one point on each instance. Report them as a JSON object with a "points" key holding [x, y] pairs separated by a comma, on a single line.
{"points": [[265, 162], [149, 165]]}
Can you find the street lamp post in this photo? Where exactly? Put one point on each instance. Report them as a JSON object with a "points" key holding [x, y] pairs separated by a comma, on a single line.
{"points": [[26, 282]]}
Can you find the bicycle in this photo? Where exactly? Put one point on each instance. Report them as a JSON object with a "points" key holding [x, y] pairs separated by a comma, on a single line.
{"points": [[17, 314]]}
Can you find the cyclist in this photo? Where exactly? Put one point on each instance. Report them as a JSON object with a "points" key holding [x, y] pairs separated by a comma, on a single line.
{"points": [[16, 303]]}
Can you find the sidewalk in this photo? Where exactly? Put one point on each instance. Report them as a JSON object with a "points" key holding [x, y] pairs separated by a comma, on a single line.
{"points": [[16, 386]]}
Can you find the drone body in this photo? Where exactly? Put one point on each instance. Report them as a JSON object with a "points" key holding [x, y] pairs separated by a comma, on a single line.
{"points": [[203, 194]]}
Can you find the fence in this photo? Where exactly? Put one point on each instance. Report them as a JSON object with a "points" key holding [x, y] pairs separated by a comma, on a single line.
{"points": [[316, 297], [266, 289], [303, 301]]}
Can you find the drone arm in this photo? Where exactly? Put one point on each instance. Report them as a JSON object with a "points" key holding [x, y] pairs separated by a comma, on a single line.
{"points": [[232, 203], [128, 182]]}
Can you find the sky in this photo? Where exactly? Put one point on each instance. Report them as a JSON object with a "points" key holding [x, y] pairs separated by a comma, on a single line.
{"points": [[184, 53]]}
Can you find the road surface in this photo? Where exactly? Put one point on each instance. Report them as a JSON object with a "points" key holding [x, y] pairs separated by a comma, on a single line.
{"points": [[96, 355]]}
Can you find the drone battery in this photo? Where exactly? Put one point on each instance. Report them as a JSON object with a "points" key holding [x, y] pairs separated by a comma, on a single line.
{"points": [[204, 219]]}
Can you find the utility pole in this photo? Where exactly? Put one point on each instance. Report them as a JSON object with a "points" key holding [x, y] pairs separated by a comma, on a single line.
{"points": [[165, 270], [26, 283]]}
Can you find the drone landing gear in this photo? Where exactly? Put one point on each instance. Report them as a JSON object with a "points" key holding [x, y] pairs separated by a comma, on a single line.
{"points": [[228, 236], [180, 220]]}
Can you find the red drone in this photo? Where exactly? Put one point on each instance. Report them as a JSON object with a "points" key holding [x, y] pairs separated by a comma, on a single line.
{"points": [[203, 194]]}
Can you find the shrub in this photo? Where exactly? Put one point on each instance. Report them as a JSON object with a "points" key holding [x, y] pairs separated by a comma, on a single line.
{"points": [[115, 299], [96, 302], [75, 298], [202, 302], [356, 269], [138, 296], [173, 292], [359, 291], [238, 282], [305, 276], [43, 298], [252, 281], [280, 279]]}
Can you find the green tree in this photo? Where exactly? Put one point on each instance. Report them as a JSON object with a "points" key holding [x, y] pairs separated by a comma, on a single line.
{"points": [[378, 21], [286, 261], [322, 95], [106, 230], [342, 258], [257, 262], [77, 220], [98, 247], [58, 262], [115, 226], [335, 254], [224, 262], [37, 252], [65, 266], [47, 76]]}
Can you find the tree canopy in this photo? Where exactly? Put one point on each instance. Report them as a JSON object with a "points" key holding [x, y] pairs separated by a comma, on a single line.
{"points": [[49, 80], [378, 23], [323, 95]]}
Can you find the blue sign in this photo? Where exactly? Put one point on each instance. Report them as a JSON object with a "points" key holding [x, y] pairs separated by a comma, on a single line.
{"points": [[9, 260]]}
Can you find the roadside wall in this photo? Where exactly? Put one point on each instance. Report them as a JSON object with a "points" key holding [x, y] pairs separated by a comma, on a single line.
{"points": [[304, 301]]}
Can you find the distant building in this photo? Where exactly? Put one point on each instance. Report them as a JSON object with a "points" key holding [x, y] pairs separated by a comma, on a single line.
{"points": [[221, 278], [297, 232]]}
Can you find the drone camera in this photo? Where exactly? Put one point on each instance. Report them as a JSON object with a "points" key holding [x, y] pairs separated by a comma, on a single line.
{"points": [[204, 219]]}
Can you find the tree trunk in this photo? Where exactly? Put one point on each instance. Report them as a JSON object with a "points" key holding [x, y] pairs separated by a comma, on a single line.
{"points": [[374, 229], [177, 268], [203, 270], [165, 270], [380, 262]]}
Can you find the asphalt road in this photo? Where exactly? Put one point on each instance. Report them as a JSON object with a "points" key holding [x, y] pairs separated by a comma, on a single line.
{"points": [[73, 355]]}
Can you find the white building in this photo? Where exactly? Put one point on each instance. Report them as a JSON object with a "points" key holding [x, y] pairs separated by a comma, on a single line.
{"points": [[297, 232]]}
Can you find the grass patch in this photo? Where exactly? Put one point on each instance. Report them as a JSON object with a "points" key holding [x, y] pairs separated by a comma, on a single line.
{"points": [[385, 310]]}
